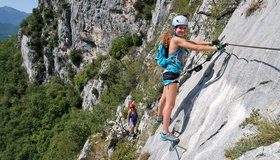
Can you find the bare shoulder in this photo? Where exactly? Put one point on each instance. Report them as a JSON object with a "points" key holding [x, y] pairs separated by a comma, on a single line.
{"points": [[179, 40]]}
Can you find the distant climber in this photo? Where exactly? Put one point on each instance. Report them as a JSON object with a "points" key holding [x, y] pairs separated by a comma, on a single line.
{"points": [[132, 118], [177, 45]]}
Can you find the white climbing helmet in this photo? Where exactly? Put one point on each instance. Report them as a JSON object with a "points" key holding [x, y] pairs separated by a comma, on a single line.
{"points": [[179, 21]]}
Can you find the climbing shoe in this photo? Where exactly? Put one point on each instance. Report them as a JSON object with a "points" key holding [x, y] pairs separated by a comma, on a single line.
{"points": [[169, 137], [158, 121]]}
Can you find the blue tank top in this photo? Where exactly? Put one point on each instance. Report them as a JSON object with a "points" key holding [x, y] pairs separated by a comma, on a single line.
{"points": [[179, 58], [133, 116], [179, 61]]}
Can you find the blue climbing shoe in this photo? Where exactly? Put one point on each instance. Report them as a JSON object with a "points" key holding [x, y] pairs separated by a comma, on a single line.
{"points": [[169, 137]]}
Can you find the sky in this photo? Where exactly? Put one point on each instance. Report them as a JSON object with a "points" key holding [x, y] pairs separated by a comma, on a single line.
{"points": [[21, 5]]}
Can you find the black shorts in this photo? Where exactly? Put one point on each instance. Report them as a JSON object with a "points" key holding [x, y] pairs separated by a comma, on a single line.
{"points": [[170, 77]]}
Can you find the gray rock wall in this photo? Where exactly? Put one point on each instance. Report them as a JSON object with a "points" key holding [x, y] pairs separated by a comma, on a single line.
{"points": [[89, 26], [102, 21], [27, 58]]}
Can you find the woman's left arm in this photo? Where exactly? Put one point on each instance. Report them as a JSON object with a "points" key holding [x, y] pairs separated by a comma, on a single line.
{"points": [[128, 116]]}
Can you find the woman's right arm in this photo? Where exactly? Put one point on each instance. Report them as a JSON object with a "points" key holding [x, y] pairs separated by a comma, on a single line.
{"points": [[191, 45], [199, 42]]}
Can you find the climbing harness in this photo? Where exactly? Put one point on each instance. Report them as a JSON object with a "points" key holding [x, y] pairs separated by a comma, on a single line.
{"points": [[198, 67], [257, 47]]}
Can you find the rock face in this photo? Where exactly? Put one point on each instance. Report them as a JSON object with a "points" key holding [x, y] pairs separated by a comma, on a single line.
{"points": [[265, 152], [91, 94], [160, 15], [213, 103], [89, 26], [95, 24], [27, 56]]}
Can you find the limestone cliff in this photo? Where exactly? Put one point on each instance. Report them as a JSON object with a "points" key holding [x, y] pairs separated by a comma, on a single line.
{"points": [[89, 26], [73, 25]]}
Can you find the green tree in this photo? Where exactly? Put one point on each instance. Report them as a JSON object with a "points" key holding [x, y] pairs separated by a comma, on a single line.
{"points": [[121, 46]]}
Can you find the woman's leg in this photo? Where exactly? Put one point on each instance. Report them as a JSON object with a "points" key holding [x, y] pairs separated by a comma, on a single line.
{"points": [[132, 129], [170, 95], [135, 127], [161, 104]]}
